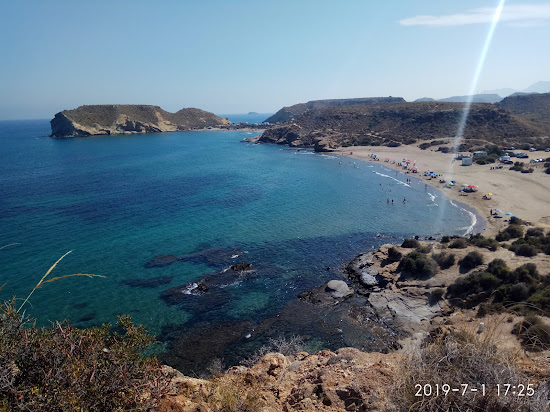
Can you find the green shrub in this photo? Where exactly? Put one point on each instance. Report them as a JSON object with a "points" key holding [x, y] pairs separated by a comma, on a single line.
{"points": [[436, 295], [483, 242], [526, 250], [518, 292], [444, 260], [445, 239], [394, 255], [535, 232], [418, 264], [498, 268], [459, 243], [502, 236], [473, 288], [541, 299], [514, 231], [516, 221], [64, 368], [410, 243], [471, 260], [424, 249]]}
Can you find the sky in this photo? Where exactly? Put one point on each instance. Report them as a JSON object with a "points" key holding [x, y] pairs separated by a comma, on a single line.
{"points": [[232, 56]]}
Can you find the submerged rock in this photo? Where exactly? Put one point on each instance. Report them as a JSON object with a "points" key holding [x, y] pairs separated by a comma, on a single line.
{"points": [[240, 267], [208, 283], [147, 283], [161, 261], [214, 257]]}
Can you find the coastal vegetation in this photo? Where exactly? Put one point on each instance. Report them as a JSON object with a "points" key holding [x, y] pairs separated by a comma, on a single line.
{"points": [[61, 368]]}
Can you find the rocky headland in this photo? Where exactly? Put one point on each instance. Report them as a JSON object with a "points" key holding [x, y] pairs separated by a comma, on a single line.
{"points": [[129, 119], [325, 126]]}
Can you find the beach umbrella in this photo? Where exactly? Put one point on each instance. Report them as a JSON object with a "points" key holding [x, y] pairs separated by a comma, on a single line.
{"points": [[453, 181], [464, 185], [508, 214], [488, 194]]}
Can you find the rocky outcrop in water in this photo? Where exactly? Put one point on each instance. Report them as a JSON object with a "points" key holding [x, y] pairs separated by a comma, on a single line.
{"points": [[129, 119]]}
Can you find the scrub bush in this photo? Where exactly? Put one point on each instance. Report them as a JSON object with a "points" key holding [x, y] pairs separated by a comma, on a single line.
{"points": [[460, 243], [63, 368], [471, 260], [418, 264], [444, 260], [410, 243]]}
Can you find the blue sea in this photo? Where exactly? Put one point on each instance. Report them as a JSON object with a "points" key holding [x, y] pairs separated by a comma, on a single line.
{"points": [[117, 202]]}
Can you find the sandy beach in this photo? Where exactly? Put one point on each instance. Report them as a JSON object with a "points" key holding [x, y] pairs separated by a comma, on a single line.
{"points": [[526, 195]]}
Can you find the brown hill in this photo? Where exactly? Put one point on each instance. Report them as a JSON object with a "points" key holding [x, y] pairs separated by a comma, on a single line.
{"points": [[394, 123], [531, 108], [127, 119], [291, 112]]}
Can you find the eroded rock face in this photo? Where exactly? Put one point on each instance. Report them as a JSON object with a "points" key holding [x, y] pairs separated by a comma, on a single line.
{"points": [[362, 270], [127, 119], [345, 380]]}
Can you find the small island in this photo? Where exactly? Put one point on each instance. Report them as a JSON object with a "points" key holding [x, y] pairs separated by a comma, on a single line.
{"points": [[102, 119]]}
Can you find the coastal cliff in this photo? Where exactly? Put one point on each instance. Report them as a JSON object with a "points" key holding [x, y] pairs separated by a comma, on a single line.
{"points": [[128, 119], [392, 124]]}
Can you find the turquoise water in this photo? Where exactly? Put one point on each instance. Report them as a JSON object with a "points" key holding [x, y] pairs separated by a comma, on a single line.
{"points": [[119, 201]]}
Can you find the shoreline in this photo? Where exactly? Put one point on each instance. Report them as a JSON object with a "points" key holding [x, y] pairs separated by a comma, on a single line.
{"points": [[524, 195]]}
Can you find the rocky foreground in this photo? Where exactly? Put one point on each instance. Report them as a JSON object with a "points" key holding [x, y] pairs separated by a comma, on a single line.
{"points": [[129, 119], [442, 334]]}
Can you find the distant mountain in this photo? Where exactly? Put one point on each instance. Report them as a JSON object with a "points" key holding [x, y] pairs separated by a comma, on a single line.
{"points": [[538, 87], [127, 119], [425, 99], [477, 98], [533, 109], [252, 113], [501, 92], [291, 112]]}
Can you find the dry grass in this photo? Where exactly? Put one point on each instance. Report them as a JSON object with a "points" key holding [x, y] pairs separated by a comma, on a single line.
{"points": [[457, 356], [235, 393], [43, 281]]}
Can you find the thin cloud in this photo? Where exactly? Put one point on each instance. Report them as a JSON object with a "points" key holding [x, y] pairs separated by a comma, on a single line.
{"points": [[516, 14]]}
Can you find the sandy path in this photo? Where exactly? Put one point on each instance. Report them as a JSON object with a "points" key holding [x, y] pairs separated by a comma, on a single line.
{"points": [[526, 195]]}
